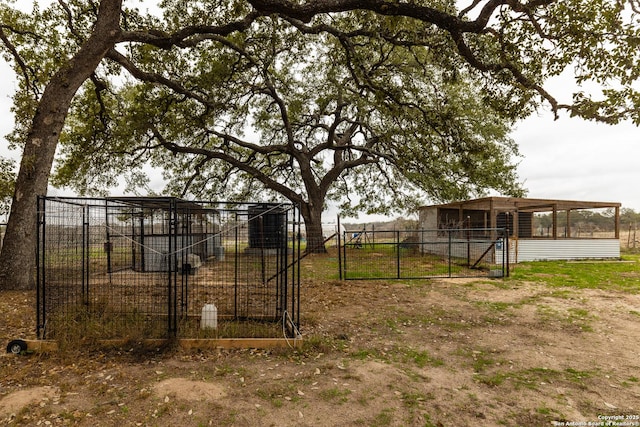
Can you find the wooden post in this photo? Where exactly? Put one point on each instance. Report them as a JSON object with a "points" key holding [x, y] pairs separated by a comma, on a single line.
{"points": [[617, 222]]}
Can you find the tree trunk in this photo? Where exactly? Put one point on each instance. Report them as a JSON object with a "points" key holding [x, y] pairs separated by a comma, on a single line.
{"points": [[313, 226], [17, 259]]}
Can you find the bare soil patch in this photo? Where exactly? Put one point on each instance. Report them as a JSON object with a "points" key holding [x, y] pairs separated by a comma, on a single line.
{"points": [[376, 353], [188, 390]]}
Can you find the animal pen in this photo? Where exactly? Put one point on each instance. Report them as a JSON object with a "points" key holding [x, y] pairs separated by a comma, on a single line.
{"points": [[139, 268], [539, 229], [423, 253]]}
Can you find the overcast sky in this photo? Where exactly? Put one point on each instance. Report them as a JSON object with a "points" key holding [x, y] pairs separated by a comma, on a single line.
{"points": [[567, 158], [574, 159]]}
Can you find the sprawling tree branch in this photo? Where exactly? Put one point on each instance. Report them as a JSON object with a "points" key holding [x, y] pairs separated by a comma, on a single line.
{"points": [[243, 165], [188, 36], [422, 90]]}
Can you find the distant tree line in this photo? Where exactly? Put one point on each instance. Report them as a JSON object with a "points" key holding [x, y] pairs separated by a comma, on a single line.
{"points": [[592, 220]]}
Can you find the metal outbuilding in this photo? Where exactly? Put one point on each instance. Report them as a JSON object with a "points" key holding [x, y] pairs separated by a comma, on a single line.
{"points": [[531, 238]]}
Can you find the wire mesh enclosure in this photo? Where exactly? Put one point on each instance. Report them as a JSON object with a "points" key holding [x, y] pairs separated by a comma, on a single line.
{"points": [[415, 254], [119, 268]]}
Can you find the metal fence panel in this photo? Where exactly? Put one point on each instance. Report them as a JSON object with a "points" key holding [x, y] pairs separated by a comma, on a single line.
{"points": [[156, 267], [415, 254]]}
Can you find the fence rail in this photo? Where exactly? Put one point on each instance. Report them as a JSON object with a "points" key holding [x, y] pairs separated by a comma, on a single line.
{"points": [[415, 254]]}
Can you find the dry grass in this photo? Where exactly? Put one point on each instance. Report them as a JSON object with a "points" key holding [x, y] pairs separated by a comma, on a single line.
{"points": [[376, 353]]}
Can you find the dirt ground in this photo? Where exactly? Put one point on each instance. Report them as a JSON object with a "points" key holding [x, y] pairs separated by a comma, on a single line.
{"points": [[424, 353]]}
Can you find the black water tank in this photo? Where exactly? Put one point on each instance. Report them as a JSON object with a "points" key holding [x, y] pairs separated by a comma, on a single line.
{"points": [[266, 226]]}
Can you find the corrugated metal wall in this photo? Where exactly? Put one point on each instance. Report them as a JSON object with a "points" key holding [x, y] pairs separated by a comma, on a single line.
{"points": [[549, 249]]}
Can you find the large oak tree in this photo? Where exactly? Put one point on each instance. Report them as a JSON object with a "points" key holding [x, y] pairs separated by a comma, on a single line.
{"points": [[513, 46], [329, 112], [17, 259]]}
